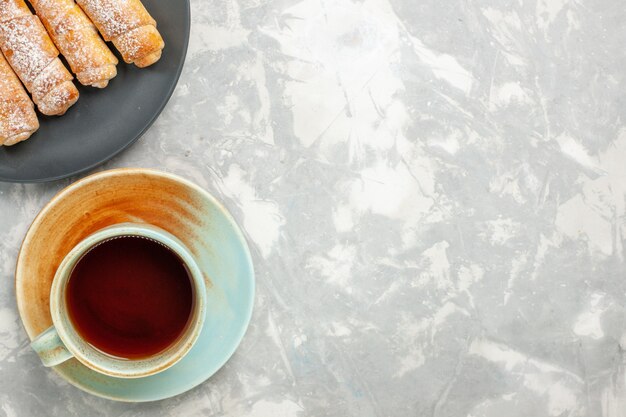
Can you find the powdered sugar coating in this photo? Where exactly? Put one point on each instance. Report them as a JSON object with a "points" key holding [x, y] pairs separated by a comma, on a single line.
{"points": [[53, 75], [12, 9], [59, 99], [27, 46], [116, 17], [139, 42], [78, 40], [128, 25], [17, 115], [34, 58]]}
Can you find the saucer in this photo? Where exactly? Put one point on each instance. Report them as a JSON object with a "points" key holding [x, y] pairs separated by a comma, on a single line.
{"points": [[175, 205]]}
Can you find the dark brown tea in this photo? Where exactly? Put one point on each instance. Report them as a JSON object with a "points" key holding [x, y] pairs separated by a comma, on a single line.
{"points": [[130, 297]]}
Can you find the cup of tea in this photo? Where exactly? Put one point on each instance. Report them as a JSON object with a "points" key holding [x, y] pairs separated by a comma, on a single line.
{"points": [[128, 301]]}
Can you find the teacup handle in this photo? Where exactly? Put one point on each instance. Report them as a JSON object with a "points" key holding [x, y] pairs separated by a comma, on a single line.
{"points": [[50, 348]]}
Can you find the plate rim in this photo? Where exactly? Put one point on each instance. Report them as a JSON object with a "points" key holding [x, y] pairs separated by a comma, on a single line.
{"points": [[155, 116], [103, 175]]}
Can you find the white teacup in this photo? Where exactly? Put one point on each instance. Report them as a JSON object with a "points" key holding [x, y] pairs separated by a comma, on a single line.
{"points": [[62, 341]]}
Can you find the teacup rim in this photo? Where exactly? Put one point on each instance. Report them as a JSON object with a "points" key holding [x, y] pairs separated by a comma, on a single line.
{"points": [[78, 347]]}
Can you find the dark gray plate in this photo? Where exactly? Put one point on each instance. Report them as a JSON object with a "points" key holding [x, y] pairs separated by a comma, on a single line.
{"points": [[104, 122]]}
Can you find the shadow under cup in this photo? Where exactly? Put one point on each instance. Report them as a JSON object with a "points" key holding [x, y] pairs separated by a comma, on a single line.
{"points": [[100, 321]]}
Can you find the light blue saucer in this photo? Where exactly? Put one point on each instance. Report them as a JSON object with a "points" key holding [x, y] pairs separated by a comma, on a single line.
{"points": [[176, 205]]}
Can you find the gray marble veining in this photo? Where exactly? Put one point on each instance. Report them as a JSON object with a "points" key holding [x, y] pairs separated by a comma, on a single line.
{"points": [[434, 194]]}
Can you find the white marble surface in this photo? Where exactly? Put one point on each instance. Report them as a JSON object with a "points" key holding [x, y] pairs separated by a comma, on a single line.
{"points": [[434, 194]]}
